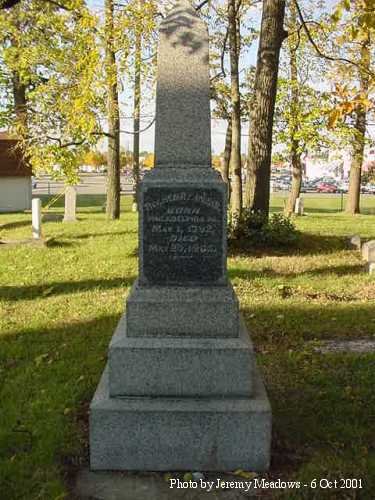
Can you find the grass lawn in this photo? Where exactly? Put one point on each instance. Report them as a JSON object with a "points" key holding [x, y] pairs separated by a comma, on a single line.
{"points": [[59, 306]]}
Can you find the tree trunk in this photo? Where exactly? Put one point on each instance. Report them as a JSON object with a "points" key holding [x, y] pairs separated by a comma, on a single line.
{"points": [[358, 145], [137, 112], [113, 116], [296, 179], [226, 156], [19, 86], [235, 154], [272, 34], [19, 99], [295, 153]]}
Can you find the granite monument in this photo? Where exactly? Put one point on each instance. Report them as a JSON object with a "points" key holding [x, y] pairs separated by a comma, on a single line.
{"points": [[181, 390], [70, 204]]}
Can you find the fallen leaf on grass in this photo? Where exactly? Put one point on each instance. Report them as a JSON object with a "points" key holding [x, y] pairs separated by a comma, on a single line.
{"points": [[245, 474], [47, 291], [284, 291], [39, 359]]}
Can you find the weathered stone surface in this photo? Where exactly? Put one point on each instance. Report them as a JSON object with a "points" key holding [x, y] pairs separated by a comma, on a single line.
{"points": [[148, 433], [182, 240], [183, 228], [70, 204], [368, 251], [355, 242], [36, 215], [140, 366], [182, 312], [183, 127], [181, 390], [298, 209]]}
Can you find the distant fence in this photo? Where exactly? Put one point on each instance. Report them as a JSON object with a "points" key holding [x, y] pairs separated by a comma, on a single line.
{"points": [[314, 202], [323, 202]]}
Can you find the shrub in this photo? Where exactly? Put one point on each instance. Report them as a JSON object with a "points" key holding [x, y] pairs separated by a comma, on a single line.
{"points": [[254, 229]]}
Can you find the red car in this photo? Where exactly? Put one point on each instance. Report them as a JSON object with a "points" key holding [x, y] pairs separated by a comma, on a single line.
{"points": [[324, 187]]}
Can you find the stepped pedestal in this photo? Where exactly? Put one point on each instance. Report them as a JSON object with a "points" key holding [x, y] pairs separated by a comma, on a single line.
{"points": [[181, 390]]}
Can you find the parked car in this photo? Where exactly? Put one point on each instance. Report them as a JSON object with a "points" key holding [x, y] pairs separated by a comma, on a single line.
{"points": [[308, 187], [325, 187], [368, 189], [343, 187], [282, 186]]}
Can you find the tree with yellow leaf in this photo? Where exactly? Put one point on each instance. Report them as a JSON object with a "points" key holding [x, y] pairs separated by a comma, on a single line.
{"points": [[356, 24], [50, 71], [148, 162]]}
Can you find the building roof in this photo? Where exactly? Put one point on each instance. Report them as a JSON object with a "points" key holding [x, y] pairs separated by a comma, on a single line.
{"points": [[6, 135], [12, 164]]}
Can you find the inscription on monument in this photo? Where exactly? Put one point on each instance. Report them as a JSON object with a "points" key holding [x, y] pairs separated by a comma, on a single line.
{"points": [[182, 235]]}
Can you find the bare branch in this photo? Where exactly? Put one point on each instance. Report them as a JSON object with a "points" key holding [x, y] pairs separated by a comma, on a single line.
{"points": [[319, 51], [139, 131], [202, 4], [66, 144]]}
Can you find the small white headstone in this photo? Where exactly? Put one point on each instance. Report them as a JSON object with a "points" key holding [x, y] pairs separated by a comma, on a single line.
{"points": [[371, 267], [298, 210], [368, 251], [36, 217], [70, 204], [355, 242]]}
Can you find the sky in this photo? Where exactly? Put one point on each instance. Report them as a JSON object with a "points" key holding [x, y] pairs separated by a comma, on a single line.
{"points": [[218, 127]]}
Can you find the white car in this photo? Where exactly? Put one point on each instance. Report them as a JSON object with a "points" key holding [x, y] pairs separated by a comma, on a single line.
{"points": [[368, 188], [343, 186]]}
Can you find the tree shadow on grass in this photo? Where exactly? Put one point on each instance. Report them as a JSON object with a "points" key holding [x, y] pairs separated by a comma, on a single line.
{"points": [[85, 236], [271, 273], [58, 367], [307, 244], [321, 404], [56, 243], [312, 317], [16, 224], [338, 270], [61, 288]]}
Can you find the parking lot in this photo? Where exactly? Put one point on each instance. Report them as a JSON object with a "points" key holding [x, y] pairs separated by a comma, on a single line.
{"points": [[89, 184], [283, 181]]}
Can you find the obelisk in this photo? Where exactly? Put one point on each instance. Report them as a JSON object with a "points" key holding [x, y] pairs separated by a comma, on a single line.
{"points": [[181, 390]]}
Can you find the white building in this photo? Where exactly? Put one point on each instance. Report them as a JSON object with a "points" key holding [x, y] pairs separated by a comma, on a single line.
{"points": [[15, 177]]}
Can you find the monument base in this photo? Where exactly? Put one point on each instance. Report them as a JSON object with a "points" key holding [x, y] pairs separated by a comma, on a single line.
{"points": [[204, 434], [182, 311], [180, 367]]}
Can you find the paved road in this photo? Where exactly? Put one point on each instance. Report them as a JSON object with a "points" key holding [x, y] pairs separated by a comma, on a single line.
{"points": [[96, 184], [89, 184]]}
